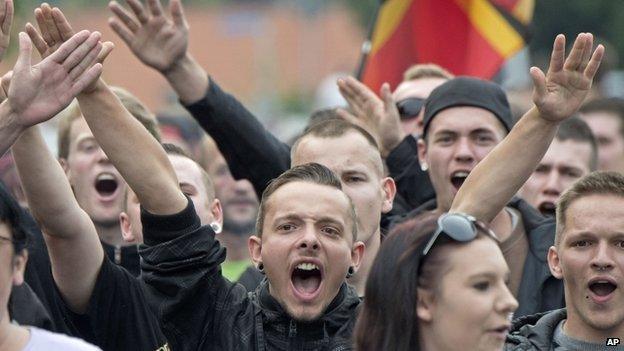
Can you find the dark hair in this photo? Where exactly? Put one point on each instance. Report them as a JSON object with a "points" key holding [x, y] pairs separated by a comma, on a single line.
{"points": [[11, 215], [334, 128], [309, 172], [596, 183], [611, 105], [388, 320], [577, 130]]}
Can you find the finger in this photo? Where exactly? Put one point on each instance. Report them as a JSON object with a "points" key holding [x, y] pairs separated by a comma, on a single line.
{"points": [[37, 40], [86, 62], [62, 24], [86, 79], [539, 81], [107, 48], [49, 21], [348, 116], [594, 62], [123, 32], [587, 51], [124, 16], [557, 57], [361, 90], [386, 96], [576, 54], [8, 16], [155, 7], [68, 47], [138, 10], [25, 52], [82, 52], [177, 13], [43, 27], [348, 92]]}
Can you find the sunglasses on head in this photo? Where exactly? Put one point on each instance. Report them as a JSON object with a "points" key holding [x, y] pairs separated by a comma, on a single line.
{"points": [[459, 227], [409, 108]]}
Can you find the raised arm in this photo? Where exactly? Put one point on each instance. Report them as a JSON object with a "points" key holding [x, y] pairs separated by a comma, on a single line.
{"points": [[557, 95], [135, 153], [161, 42], [73, 244]]}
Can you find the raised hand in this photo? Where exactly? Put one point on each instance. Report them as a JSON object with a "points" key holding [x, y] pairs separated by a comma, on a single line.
{"points": [[39, 92], [156, 40], [6, 19], [379, 117], [561, 91], [55, 30]]}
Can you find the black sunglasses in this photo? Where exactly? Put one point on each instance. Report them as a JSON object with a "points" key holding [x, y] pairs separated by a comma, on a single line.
{"points": [[410, 108], [459, 227]]}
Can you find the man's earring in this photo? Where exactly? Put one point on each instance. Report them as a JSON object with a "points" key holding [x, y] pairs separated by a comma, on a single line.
{"points": [[424, 166], [215, 227], [350, 272], [261, 267]]}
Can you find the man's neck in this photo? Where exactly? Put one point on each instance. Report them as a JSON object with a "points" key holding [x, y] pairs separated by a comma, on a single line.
{"points": [[236, 246], [575, 328], [372, 247], [111, 235]]}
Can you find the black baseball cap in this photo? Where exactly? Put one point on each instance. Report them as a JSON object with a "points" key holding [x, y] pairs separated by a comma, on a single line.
{"points": [[468, 91]]}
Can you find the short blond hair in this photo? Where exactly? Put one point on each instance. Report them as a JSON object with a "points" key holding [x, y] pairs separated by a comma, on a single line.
{"points": [[596, 183], [129, 101], [426, 70]]}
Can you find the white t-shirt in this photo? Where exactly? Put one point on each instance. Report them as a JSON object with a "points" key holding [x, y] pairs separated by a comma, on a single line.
{"points": [[44, 340]]}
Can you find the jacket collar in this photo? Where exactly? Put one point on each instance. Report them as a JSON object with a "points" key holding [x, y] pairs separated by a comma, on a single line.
{"points": [[537, 330]]}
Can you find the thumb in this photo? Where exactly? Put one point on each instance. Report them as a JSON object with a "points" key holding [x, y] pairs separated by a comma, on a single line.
{"points": [[25, 52], [539, 81], [386, 96], [6, 81]]}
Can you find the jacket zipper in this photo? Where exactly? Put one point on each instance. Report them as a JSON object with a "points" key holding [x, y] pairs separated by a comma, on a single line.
{"points": [[292, 329]]}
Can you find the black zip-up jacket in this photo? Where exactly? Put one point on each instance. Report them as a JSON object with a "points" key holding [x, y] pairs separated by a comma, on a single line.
{"points": [[534, 332], [539, 290], [201, 310]]}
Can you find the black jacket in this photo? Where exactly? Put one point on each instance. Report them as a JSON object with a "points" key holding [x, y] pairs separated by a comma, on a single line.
{"points": [[534, 332], [201, 310], [539, 290]]}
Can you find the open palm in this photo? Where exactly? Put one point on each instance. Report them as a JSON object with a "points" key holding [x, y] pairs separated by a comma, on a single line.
{"points": [[156, 40], [560, 92], [39, 92]]}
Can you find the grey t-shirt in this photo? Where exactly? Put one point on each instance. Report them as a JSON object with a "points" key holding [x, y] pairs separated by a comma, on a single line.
{"points": [[41, 340], [562, 342]]}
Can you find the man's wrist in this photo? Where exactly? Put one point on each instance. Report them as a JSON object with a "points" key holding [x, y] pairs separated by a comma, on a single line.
{"points": [[188, 79], [9, 120]]}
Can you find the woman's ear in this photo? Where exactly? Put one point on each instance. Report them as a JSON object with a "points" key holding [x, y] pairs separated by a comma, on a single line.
{"points": [[424, 305]]}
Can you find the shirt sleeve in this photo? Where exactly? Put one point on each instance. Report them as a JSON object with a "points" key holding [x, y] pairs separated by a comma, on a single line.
{"points": [[250, 150], [181, 268], [118, 316]]}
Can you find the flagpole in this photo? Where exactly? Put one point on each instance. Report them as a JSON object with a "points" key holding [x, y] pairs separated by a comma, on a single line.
{"points": [[367, 44]]}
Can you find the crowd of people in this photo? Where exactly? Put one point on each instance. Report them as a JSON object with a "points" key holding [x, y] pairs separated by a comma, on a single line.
{"points": [[424, 218]]}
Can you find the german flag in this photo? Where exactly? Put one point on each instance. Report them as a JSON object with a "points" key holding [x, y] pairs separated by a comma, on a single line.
{"points": [[467, 37]]}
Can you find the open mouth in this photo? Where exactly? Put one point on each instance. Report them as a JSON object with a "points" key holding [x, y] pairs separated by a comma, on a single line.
{"points": [[306, 279], [602, 288], [458, 178], [106, 184], [547, 208]]}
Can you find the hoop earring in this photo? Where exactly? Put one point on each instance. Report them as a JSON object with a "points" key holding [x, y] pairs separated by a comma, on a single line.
{"points": [[261, 267]]}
